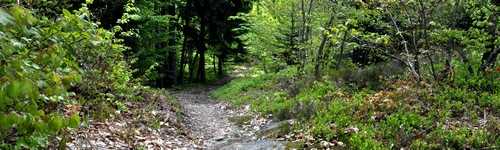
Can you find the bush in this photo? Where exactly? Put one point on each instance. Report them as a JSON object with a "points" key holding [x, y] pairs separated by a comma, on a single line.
{"points": [[46, 67], [371, 76]]}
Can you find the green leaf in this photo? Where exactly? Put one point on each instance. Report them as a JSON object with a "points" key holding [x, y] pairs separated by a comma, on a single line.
{"points": [[29, 89], [74, 121], [56, 123], [13, 89], [4, 100], [18, 89], [42, 127], [89, 1], [6, 121]]}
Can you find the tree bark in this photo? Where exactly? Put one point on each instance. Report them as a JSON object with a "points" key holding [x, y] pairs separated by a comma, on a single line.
{"points": [[180, 77], [172, 51], [342, 45], [448, 68], [220, 71], [304, 32], [192, 65], [319, 60], [214, 63], [201, 66], [411, 64], [202, 48], [424, 26], [466, 61]]}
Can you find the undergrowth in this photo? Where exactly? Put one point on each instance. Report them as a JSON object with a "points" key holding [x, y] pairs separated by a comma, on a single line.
{"points": [[402, 114], [57, 75]]}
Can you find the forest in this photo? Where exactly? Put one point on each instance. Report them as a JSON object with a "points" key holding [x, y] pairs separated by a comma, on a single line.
{"points": [[249, 74]]}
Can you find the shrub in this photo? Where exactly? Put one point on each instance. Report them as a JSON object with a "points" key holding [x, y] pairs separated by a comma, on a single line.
{"points": [[46, 66], [400, 116], [402, 127], [371, 76]]}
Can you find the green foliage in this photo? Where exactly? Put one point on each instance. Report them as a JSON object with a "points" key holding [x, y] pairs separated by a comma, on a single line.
{"points": [[31, 63], [410, 74], [47, 65], [257, 83], [364, 119], [457, 138], [445, 52]]}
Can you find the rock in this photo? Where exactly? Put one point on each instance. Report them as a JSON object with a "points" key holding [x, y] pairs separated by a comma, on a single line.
{"points": [[254, 145], [274, 130], [219, 139]]}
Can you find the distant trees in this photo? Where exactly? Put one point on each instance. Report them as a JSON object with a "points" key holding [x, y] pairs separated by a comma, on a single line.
{"points": [[172, 42], [215, 32], [432, 39], [169, 40], [195, 29]]}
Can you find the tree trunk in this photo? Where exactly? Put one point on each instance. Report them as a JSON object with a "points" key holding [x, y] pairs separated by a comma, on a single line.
{"points": [[466, 61], [192, 65], [304, 21], [424, 26], [220, 67], [186, 55], [172, 51], [319, 60], [304, 32], [201, 66], [416, 57], [180, 77], [342, 45], [214, 63], [411, 65], [308, 20], [171, 67], [448, 68], [202, 48]]}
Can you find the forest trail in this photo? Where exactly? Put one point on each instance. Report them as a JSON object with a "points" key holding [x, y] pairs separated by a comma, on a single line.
{"points": [[209, 122]]}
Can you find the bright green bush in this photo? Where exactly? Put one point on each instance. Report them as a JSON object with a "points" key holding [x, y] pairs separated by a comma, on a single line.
{"points": [[35, 72], [460, 138], [46, 65], [235, 88], [362, 141]]}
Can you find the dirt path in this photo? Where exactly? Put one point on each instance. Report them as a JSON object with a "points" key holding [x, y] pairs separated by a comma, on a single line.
{"points": [[209, 121]]}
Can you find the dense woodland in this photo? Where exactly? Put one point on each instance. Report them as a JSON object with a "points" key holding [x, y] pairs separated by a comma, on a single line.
{"points": [[355, 74]]}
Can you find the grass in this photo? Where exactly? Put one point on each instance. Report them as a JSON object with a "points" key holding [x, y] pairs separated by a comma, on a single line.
{"points": [[400, 115]]}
